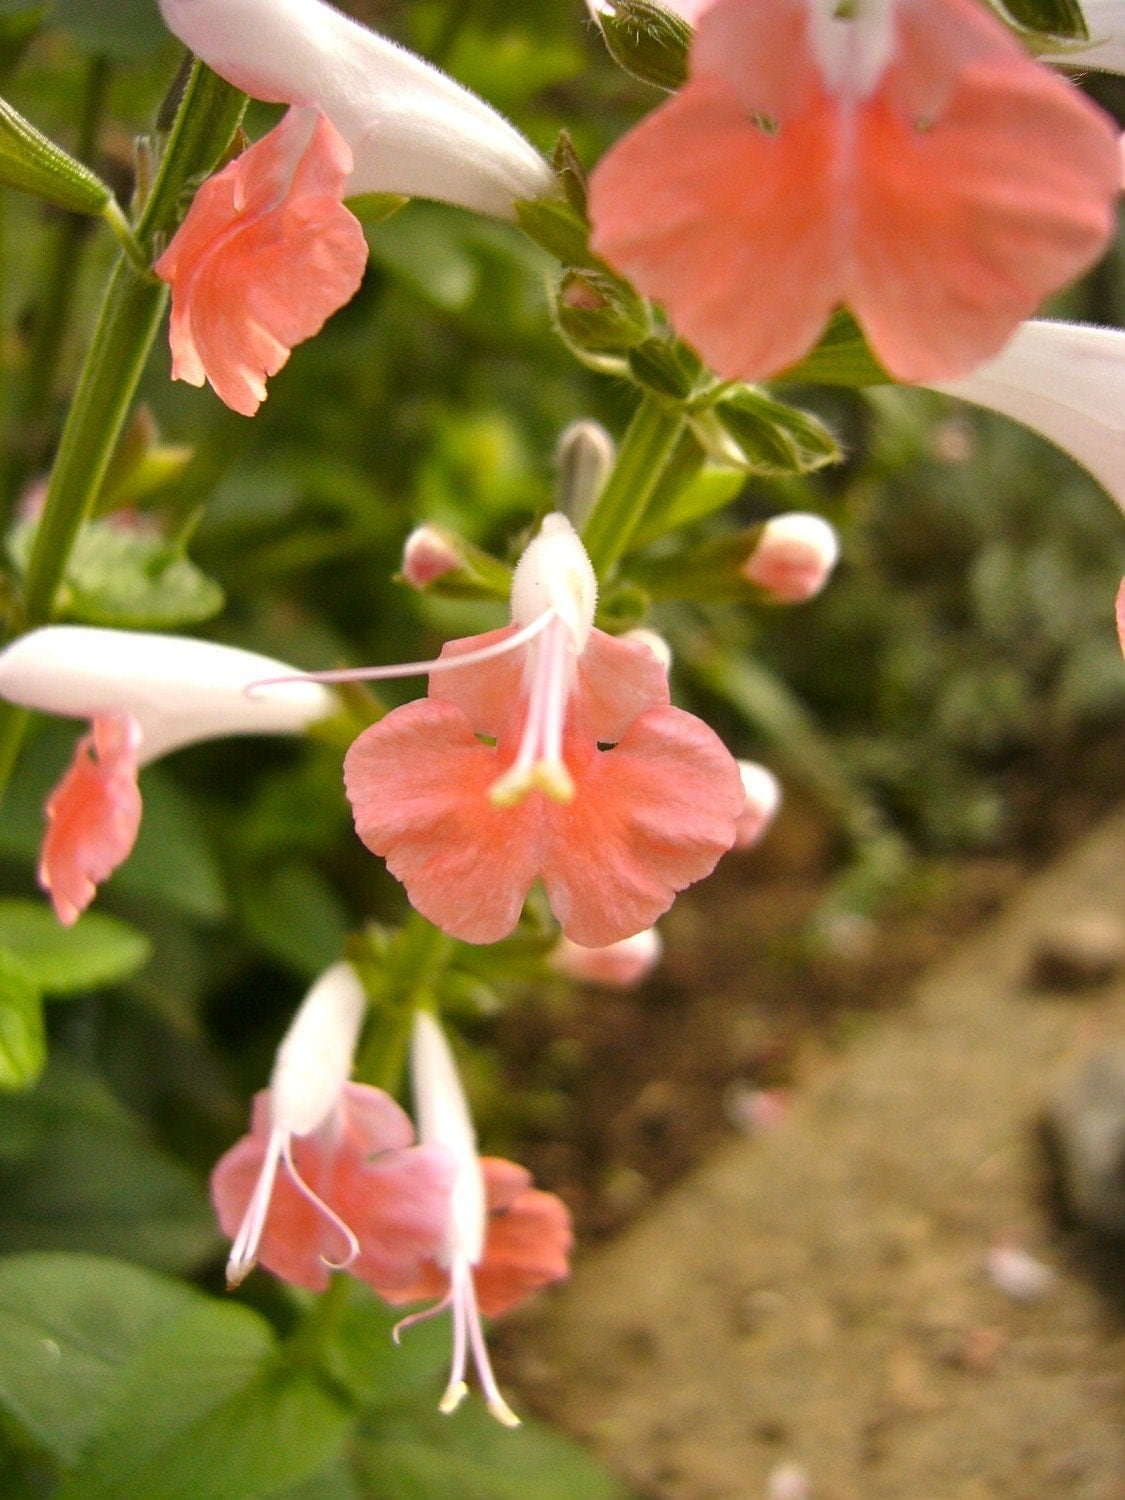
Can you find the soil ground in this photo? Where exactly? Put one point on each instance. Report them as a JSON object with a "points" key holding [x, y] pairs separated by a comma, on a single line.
{"points": [[814, 1293]]}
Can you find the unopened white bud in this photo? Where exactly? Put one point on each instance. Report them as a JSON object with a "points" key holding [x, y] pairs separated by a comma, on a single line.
{"points": [[427, 555], [618, 966], [763, 800], [654, 642], [794, 557]]}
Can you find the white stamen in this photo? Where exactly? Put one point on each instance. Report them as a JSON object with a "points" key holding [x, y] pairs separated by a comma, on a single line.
{"points": [[539, 761], [244, 1251], [415, 668], [321, 1207]]}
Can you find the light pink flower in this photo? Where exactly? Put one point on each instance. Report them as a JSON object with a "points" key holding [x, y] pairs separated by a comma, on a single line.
{"points": [[618, 966], [503, 1238], [265, 255], [329, 1177], [905, 158], [1121, 615], [468, 823], [794, 558], [145, 695]]}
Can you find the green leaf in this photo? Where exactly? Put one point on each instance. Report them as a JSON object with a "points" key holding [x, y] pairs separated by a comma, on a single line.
{"points": [[374, 208], [468, 1454], [68, 1325], [297, 917], [131, 579], [78, 1173], [34, 164], [767, 436], [207, 1410], [173, 861], [708, 491], [1054, 17], [23, 1043], [62, 960], [841, 358]]}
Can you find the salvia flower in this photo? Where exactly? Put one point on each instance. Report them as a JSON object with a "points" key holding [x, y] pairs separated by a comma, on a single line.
{"points": [[903, 157], [503, 1238], [329, 1177], [498, 776], [145, 695], [268, 251]]}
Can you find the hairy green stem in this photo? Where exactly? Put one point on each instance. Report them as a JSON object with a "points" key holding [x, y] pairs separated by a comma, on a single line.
{"points": [[646, 449]]}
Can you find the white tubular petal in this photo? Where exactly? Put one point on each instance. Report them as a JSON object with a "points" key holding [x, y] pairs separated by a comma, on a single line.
{"points": [[1105, 50], [314, 1060], [412, 130], [444, 1120], [179, 690], [1067, 382], [555, 573]]}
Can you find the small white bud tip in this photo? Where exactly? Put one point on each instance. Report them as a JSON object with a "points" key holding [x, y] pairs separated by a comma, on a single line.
{"points": [[763, 801], [794, 557], [428, 555], [619, 965], [655, 643]]}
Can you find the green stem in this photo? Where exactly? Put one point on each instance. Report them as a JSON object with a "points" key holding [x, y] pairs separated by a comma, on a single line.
{"points": [[646, 449], [207, 117], [30, 437], [416, 959]]}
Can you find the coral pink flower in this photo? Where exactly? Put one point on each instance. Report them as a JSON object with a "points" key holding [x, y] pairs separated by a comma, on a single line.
{"points": [[503, 1238], [468, 823], [527, 1239], [905, 158], [92, 815], [355, 1193], [145, 695], [267, 252]]}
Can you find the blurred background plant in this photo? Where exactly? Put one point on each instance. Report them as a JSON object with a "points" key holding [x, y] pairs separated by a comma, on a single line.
{"points": [[935, 700]]}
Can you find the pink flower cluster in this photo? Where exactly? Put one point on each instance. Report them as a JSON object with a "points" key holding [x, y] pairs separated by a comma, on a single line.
{"points": [[330, 1179]]}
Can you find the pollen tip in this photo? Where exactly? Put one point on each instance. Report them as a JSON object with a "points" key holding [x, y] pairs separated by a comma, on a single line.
{"points": [[237, 1272], [503, 1412], [554, 780], [455, 1393]]}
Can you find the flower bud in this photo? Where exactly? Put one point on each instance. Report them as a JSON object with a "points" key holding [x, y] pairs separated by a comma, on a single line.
{"points": [[618, 966], [794, 557], [428, 554], [763, 801]]}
